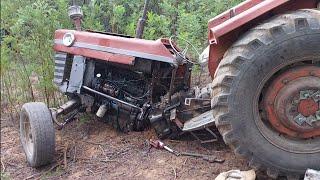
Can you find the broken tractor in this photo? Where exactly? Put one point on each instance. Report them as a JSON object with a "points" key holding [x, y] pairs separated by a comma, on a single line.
{"points": [[263, 57]]}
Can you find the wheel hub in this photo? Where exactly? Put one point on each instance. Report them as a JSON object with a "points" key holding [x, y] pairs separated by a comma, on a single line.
{"points": [[292, 102], [308, 107]]}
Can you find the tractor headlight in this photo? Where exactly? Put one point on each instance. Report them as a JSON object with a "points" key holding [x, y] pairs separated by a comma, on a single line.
{"points": [[68, 39]]}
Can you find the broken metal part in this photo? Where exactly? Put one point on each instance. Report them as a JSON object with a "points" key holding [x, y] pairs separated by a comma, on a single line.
{"points": [[113, 99], [205, 135], [70, 118], [199, 122], [64, 109], [189, 101], [160, 125]]}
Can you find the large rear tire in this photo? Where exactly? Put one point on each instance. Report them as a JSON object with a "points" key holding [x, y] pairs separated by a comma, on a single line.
{"points": [[37, 133], [260, 75]]}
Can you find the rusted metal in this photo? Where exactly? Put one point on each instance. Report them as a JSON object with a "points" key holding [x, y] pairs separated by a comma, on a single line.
{"points": [[288, 110], [226, 28], [308, 107]]}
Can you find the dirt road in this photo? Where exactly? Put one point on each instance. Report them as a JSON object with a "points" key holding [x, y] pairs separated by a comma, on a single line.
{"points": [[95, 150]]}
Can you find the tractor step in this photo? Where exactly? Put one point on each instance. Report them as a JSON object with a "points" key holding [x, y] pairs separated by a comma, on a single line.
{"points": [[199, 122]]}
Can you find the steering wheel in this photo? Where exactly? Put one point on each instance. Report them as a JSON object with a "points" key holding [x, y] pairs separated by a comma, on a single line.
{"points": [[183, 53]]}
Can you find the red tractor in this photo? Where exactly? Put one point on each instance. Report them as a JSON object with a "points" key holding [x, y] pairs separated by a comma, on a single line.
{"points": [[264, 59]]}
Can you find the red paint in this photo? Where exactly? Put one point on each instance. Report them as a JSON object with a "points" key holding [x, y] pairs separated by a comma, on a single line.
{"points": [[116, 58], [121, 43], [308, 107], [226, 28]]}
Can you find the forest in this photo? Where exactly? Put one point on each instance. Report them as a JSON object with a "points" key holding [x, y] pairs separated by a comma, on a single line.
{"points": [[27, 28]]}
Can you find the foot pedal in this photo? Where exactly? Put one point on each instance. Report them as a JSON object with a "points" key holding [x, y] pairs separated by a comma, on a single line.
{"points": [[200, 122]]}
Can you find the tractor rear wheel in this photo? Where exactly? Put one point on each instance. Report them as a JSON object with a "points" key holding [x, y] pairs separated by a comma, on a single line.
{"points": [[266, 95]]}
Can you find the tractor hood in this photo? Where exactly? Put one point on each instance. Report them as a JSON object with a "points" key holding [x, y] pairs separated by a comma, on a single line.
{"points": [[111, 48]]}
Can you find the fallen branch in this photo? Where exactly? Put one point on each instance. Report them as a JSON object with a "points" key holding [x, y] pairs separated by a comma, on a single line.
{"points": [[175, 172], [95, 143], [65, 157], [75, 153], [3, 167]]}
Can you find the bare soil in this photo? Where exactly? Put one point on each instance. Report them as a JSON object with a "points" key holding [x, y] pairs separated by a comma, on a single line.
{"points": [[95, 150]]}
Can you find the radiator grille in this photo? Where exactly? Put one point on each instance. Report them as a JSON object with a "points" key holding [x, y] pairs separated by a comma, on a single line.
{"points": [[59, 67]]}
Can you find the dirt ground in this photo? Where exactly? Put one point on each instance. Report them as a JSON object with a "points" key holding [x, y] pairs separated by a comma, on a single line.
{"points": [[95, 150]]}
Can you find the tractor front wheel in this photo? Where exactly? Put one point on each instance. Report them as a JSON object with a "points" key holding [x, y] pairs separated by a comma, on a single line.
{"points": [[266, 95], [37, 133]]}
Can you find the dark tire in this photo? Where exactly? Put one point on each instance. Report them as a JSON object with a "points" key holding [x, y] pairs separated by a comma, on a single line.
{"points": [[282, 43], [37, 133]]}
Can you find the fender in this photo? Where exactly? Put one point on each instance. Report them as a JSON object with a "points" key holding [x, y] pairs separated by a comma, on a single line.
{"points": [[226, 28]]}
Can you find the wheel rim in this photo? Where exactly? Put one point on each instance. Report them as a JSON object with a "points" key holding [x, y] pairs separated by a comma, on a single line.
{"points": [[276, 118], [292, 102], [27, 135]]}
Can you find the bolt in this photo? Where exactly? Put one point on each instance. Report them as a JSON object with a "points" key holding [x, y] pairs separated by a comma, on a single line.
{"points": [[300, 119], [285, 81], [312, 73]]}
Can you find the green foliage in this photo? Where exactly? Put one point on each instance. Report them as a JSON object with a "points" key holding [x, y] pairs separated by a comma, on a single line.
{"points": [[27, 29], [4, 176], [158, 26], [84, 118]]}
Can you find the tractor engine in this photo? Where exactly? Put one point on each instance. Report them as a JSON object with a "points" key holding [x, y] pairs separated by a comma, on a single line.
{"points": [[125, 85], [130, 97]]}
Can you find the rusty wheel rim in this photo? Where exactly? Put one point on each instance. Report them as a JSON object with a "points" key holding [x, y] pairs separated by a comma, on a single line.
{"points": [[292, 102], [262, 106]]}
